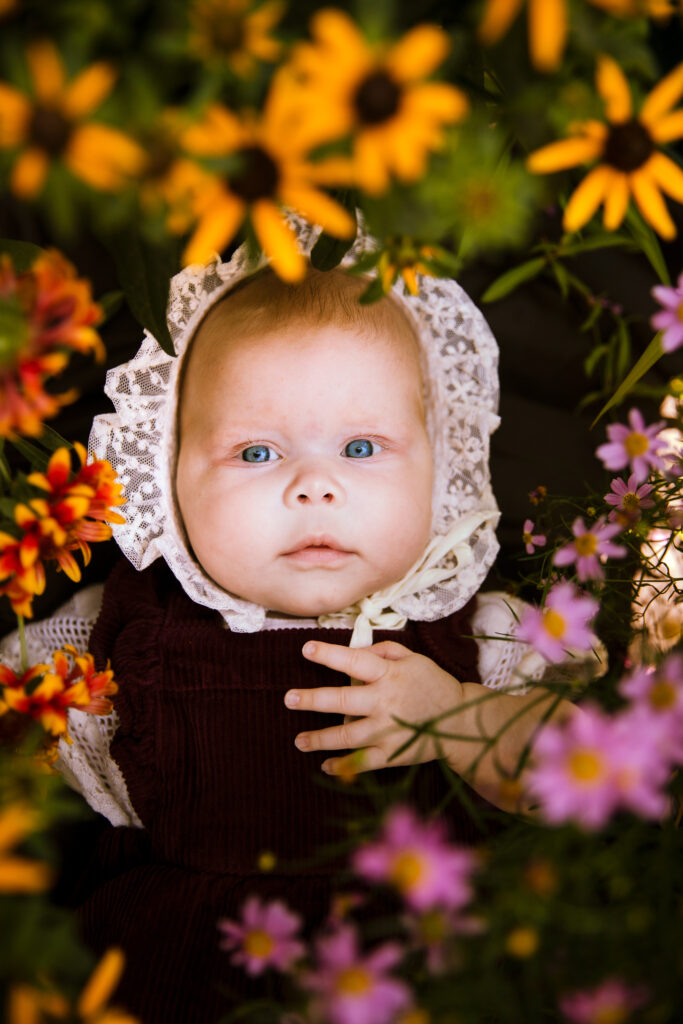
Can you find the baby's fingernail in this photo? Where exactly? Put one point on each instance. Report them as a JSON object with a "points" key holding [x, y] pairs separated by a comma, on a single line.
{"points": [[326, 767], [302, 742], [292, 698], [309, 648]]}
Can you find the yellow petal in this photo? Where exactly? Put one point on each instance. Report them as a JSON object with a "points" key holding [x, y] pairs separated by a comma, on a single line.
{"points": [[410, 278], [668, 175], [319, 209], [103, 157], [613, 88], [266, 16], [498, 17], [370, 165], [616, 201], [47, 71], [418, 53], [336, 29], [19, 875], [547, 32], [337, 170], [215, 230], [435, 100], [650, 203], [16, 821], [217, 133], [587, 197], [29, 173], [102, 983], [88, 90], [558, 156], [277, 241], [15, 111], [668, 127], [663, 97]]}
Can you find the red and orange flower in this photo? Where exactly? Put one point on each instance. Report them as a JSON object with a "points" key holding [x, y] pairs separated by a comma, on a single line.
{"points": [[46, 312]]}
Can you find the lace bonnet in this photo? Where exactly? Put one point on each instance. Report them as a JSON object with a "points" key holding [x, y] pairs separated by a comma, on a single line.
{"points": [[459, 363]]}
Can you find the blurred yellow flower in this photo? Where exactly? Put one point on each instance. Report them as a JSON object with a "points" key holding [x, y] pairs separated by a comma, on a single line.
{"points": [[630, 162], [378, 96], [404, 258], [53, 125], [235, 31], [274, 171], [16, 873]]}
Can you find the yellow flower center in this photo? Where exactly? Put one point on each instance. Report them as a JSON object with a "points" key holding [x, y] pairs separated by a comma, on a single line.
{"points": [[630, 502], [377, 98], [662, 695], [629, 145], [554, 623], [679, 312], [528, 538], [586, 544], [433, 926], [49, 130], [636, 444], [406, 870], [610, 1015], [586, 765], [258, 943], [258, 176], [353, 981], [227, 32]]}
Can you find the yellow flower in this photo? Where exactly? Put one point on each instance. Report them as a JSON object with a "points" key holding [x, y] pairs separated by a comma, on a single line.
{"points": [[235, 31], [630, 162], [16, 873], [404, 258], [54, 125], [548, 23], [274, 171], [380, 97]]}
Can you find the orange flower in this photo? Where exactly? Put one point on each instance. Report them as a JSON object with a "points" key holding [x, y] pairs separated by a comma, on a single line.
{"points": [[75, 513], [55, 125], [45, 312], [16, 873], [235, 31], [402, 257]]}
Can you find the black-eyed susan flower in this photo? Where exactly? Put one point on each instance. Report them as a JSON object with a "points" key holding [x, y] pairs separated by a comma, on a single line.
{"points": [[378, 95], [169, 179], [46, 312], [402, 257], [53, 124], [235, 31], [273, 170], [18, 874], [630, 162]]}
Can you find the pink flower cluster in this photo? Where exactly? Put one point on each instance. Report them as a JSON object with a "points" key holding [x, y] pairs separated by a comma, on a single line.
{"points": [[628, 500], [589, 547], [670, 319], [636, 445], [611, 1000], [595, 764], [562, 623]]}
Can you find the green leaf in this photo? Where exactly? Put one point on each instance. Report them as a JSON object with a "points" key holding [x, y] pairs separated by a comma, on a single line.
{"points": [[603, 240], [36, 456], [593, 358], [561, 276], [372, 293], [594, 315], [511, 279], [24, 254], [111, 302], [649, 243], [52, 439], [646, 362]]}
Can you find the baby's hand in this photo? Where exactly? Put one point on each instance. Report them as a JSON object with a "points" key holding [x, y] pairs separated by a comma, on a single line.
{"points": [[400, 684]]}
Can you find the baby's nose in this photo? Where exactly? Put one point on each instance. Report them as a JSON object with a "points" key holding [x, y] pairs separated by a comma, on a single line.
{"points": [[314, 486]]}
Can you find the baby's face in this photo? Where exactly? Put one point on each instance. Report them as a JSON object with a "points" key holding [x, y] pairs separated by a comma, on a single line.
{"points": [[304, 470]]}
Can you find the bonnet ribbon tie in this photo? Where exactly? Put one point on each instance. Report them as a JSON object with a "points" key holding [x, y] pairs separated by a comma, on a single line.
{"points": [[370, 612]]}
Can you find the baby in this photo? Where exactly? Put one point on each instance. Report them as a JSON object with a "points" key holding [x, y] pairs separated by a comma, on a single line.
{"points": [[309, 469]]}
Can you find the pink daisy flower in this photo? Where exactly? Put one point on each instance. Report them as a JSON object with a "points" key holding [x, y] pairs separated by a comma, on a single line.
{"points": [[640, 765], [415, 857], [265, 937], [588, 546], [352, 989], [636, 446], [611, 1000], [628, 499], [670, 319], [562, 623], [658, 697], [530, 539]]}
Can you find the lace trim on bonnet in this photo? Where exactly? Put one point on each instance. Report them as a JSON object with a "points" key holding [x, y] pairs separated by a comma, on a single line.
{"points": [[460, 366]]}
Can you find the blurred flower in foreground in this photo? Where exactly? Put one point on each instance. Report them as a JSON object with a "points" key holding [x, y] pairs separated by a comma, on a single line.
{"points": [[593, 764], [588, 547], [530, 539], [628, 499], [55, 125], [638, 446], [45, 692], [273, 172], [27, 1005], [235, 31], [670, 320], [416, 859], [395, 117], [351, 989], [402, 258], [562, 624], [538, 495], [658, 697], [16, 873], [265, 937], [75, 513], [630, 162], [45, 312], [610, 1002]]}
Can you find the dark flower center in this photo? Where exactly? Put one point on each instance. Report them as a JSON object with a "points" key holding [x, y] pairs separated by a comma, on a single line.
{"points": [[629, 145], [377, 98], [258, 176], [49, 130], [160, 156], [227, 34]]}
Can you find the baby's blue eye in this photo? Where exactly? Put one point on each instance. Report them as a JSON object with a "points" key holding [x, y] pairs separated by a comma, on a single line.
{"points": [[259, 453], [361, 448]]}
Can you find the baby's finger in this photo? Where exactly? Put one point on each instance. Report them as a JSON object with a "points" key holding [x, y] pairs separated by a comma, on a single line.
{"points": [[357, 662], [338, 737], [340, 700], [390, 650]]}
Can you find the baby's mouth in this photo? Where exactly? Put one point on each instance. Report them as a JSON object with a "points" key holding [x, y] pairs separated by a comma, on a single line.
{"points": [[317, 550]]}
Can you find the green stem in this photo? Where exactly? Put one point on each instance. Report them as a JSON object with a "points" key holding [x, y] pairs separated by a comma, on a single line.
{"points": [[22, 642]]}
